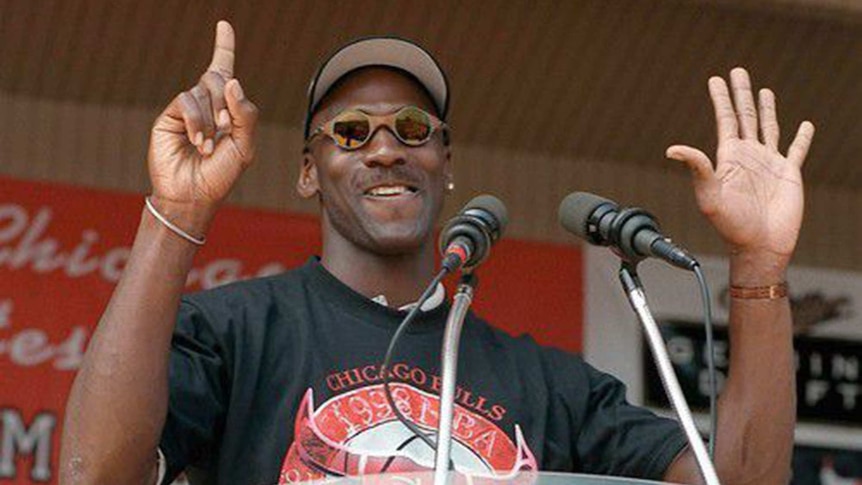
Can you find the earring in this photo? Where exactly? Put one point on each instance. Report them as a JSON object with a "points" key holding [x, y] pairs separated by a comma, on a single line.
{"points": [[450, 186]]}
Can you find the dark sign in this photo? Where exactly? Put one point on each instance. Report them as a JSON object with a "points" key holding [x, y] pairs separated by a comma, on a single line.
{"points": [[828, 372], [826, 466]]}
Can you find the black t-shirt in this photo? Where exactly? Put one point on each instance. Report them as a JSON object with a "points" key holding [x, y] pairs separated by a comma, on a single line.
{"points": [[278, 379]]}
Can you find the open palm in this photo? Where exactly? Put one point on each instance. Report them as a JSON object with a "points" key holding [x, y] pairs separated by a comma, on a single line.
{"points": [[753, 194]]}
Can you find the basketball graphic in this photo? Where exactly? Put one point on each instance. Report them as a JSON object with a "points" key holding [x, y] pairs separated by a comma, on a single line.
{"points": [[356, 433]]}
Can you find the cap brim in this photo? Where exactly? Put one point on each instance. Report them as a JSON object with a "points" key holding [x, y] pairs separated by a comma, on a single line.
{"points": [[381, 51]]}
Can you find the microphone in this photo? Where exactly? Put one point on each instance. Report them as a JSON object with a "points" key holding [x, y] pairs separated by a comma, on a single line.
{"points": [[466, 239], [632, 232]]}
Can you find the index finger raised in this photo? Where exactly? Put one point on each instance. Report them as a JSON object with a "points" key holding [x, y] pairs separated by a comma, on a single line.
{"points": [[223, 51]]}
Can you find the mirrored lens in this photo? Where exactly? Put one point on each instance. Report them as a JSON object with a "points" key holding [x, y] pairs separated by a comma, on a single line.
{"points": [[350, 129], [413, 126]]}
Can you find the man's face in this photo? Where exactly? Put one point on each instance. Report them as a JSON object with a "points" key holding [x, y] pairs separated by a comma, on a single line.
{"points": [[384, 196]]}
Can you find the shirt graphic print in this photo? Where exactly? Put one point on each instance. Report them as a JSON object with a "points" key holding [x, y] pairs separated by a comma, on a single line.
{"points": [[356, 432]]}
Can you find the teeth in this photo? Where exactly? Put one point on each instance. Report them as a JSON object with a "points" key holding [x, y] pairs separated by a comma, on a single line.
{"points": [[388, 190]]}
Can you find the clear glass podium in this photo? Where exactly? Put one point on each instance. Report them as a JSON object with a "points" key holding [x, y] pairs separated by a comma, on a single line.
{"points": [[524, 478]]}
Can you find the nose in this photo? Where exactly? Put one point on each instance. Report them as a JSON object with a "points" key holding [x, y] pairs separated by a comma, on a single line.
{"points": [[383, 149]]}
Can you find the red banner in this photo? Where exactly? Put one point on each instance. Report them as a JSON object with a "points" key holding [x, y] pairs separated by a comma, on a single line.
{"points": [[62, 249]]}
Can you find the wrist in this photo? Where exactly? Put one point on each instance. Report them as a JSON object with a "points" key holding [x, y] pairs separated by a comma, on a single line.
{"points": [[192, 218], [757, 268]]}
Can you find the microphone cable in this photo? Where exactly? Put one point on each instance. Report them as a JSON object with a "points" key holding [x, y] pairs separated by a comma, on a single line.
{"points": [[387, 390], [710, 356]]}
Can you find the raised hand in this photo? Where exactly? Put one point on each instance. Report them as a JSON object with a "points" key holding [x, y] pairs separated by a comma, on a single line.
{"points": [[204, 139], [753, 194]]}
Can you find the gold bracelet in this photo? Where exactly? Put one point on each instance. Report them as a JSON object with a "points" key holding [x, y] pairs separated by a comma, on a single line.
{"points": [[771, 292]]}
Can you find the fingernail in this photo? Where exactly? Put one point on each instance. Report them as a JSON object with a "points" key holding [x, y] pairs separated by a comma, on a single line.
{"points": [[237, 91], [208, 146], [199, 138], [223, 118]]}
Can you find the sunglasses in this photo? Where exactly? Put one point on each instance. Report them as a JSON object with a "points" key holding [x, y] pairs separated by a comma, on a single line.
{"points": [[351, 129]]}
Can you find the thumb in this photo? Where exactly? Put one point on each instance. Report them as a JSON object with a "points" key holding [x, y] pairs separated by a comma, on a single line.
{"points": [[244, 116], [696, 160], [705, 184]]}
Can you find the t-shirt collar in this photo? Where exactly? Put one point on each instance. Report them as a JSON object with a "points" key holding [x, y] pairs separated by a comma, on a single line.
{"points": [[435, 300]]}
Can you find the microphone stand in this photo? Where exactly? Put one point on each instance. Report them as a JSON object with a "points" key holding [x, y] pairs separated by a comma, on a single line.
{"points": [[449, 370], [637, 298]]}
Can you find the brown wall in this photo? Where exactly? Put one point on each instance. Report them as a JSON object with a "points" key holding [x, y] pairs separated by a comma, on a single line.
{"points": [[105, 147]]}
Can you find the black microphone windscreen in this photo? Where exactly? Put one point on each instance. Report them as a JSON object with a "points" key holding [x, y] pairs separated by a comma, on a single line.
{"points": [[576, 208], [493, 205]]}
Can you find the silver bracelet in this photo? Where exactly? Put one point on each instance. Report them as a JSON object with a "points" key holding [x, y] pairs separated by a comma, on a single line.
{"points": [[170, 225]]}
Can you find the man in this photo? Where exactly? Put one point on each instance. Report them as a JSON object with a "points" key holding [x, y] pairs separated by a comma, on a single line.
{"points": [[277, 380]]}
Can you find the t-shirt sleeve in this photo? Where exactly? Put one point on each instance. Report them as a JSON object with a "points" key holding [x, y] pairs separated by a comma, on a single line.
{"points": [[618, 438], [197, 387]]}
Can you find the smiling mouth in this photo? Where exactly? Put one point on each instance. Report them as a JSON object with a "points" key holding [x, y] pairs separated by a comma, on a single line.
{"points": [[390, 191]]}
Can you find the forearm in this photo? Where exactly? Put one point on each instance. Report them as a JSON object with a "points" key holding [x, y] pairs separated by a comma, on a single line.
{"points": [[118, 403], [757, 410], [757, 407]]}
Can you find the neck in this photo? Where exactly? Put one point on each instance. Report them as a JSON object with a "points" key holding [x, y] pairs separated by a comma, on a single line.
{"points": [[401, 277]]}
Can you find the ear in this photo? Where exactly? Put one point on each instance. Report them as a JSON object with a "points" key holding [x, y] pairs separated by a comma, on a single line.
{"points": [[307, 184]]}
